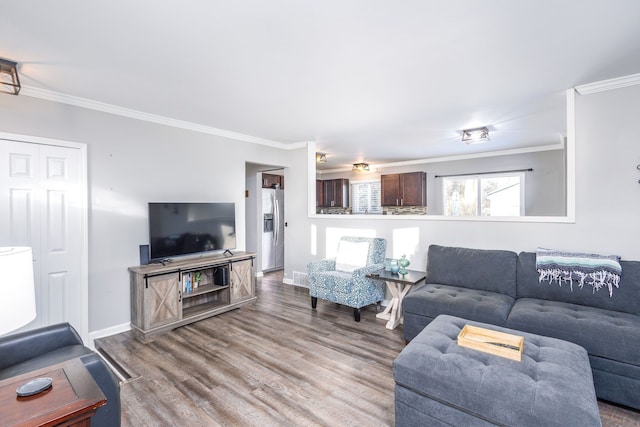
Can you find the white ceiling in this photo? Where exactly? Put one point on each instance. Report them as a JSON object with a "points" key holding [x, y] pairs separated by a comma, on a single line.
{"points": [[368, 80]]}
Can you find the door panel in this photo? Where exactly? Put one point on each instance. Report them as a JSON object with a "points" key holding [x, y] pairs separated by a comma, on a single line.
{"points": [[162, 304], [43, 192], [20, 219], [242, 283]]}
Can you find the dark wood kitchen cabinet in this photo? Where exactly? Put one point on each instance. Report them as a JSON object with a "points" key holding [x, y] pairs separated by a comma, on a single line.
{"points": [[404, 189], [271, 181], [335, 193], [319, 193]]}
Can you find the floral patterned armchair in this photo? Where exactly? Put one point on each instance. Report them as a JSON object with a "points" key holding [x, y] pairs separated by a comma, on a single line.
{"points": [[342, 279]]}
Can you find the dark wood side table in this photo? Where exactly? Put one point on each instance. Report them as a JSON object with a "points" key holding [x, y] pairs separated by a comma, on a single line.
{"points": [[398, 285], [71, 401]]}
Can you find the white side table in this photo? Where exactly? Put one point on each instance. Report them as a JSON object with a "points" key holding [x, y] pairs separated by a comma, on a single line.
{"points": [[398, 285]]}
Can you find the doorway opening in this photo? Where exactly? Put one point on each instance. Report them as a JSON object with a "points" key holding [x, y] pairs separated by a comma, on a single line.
{"points": [[265, 215]]}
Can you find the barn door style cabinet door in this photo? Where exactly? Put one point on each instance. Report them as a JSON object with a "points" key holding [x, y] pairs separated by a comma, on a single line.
{"points": [[403, 189], [164, 297], [162, 300], [242, 280]]}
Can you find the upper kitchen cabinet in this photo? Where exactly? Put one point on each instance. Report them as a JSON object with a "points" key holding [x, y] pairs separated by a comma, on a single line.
{"points": [[272, 181], [335, 193], [404, 189], [319, 193]]}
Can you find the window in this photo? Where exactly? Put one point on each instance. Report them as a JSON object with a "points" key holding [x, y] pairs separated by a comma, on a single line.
{"points": [[365, 197], [484, 195]]}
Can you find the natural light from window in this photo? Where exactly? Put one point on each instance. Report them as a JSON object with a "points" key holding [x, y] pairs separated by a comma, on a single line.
{"points": [[406, 241], [365, 197], [484, 195]]}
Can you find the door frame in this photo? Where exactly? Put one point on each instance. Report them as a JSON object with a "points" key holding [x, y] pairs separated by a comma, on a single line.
{"points": [[84, 215]]}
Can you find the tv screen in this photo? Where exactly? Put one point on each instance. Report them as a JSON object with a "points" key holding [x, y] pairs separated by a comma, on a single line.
{"points": [[177, 229]]}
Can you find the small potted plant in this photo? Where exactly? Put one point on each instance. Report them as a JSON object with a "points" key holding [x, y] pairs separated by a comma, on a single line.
{"points": [[197, 277]]}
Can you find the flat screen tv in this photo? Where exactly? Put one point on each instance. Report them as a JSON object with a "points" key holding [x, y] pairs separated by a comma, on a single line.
{"points": [[177, 229]]}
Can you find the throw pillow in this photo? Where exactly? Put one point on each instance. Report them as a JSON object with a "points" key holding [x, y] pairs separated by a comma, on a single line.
{"points": [[351, 255]]}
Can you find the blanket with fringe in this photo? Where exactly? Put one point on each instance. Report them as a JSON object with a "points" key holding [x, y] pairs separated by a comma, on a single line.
{"points": [[597, 271]]}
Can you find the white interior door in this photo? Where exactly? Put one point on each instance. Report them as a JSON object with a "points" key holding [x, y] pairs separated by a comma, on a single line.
{"points": [[43, 206]]}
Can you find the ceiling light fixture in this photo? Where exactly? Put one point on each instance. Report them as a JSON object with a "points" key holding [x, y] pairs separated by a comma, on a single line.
{"points": [[476, 135], [361, 167], [9, 80], [321, 158]]}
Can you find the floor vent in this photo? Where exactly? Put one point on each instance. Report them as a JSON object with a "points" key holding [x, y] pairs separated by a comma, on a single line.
{"points": [[300, 279]]}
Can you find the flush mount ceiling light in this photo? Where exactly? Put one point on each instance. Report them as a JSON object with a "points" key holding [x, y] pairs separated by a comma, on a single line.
{"points": [[361, 167], [9, 80], [475, 136], [321, 158]]}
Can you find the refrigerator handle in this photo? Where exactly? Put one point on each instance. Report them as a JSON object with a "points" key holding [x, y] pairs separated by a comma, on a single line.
{"points": [[275, 218], [276, 222]]}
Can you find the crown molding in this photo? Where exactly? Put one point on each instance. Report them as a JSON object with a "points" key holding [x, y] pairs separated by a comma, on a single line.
{"points": [[604, 85], [62, 98]]}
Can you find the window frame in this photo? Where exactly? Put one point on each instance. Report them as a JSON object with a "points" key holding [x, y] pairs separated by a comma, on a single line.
{"points": [[478, 181], [353, 196]]}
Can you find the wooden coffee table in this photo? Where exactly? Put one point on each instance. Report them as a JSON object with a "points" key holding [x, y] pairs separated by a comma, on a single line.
{"points": [[398, 285]]}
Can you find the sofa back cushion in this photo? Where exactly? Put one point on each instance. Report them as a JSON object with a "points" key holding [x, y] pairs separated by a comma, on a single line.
{"points": [[482, 269], [625, 298]]}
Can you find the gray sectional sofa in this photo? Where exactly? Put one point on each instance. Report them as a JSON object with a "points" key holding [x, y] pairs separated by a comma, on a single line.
{"points": [[502, 288]]}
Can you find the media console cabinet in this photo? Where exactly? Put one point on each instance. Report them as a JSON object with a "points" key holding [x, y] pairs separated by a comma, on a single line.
{"points": [[164, 297]]}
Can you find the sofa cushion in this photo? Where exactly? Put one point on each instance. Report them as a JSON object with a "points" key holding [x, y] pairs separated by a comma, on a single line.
{"points": [[487, 270], [432, 300], [625, 298], [603, 333]]}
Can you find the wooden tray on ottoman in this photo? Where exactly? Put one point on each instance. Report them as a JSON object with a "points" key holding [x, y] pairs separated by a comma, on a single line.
{"points": [[493, 342]]}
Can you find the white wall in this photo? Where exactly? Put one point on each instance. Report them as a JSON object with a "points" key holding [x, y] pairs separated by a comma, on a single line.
{"points": [[607, 201], [133, 162], [130, 163]]}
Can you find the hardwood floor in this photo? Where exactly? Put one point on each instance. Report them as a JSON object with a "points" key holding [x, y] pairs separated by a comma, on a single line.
{"points": [[273, 363]]}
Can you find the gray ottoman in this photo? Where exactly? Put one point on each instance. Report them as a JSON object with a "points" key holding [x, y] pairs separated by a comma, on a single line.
{"points": [[439, 383]]}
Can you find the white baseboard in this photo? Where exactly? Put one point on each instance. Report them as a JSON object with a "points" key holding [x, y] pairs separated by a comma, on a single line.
{"points": [[107, 332], [292, 283], [259, 274]]}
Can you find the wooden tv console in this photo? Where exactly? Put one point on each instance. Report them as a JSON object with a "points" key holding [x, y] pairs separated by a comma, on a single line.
{"points": [[161, 299]]}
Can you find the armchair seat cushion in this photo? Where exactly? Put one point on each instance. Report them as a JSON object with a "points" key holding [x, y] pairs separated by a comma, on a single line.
{"points": [[340, 287]]}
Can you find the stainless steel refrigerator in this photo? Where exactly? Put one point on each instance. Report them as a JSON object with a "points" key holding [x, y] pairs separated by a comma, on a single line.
{"points": [[272, 229]]}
